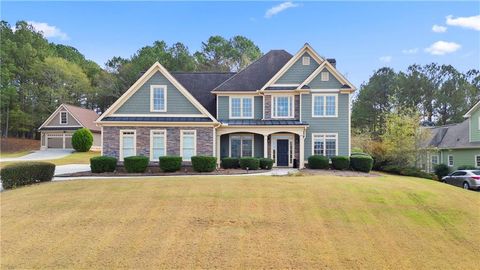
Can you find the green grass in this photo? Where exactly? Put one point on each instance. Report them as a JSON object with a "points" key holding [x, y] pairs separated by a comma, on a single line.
{"points": [[73, 158], [303, 222], [14, 154]]}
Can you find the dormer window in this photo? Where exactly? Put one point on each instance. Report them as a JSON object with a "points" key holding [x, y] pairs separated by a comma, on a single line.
{"points": [[306, 60], [241, 107], [63, 118], [325, 76], [158, 98]]}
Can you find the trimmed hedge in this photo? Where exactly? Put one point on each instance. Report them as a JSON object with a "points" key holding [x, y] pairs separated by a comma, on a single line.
{"points": [[170, 163], [467, 167], [82, 140], [441, 170], [230, 163], [318, 162], [340, 162], [359, 154], [249, 162], [103, 164], [266, 163], [26, 173], [204, 163], [407, 171], [361, 163], [135, 164]]}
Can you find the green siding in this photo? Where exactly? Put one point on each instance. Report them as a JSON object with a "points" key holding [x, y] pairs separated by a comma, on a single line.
{"points": [[338, 124], [139, 103], [257, 144], [474, 126], [223, 113], [460, 157], [297, 73], [332, 83]]}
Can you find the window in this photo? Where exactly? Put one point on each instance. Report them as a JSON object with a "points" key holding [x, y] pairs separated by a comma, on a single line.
{"points": [[434, 159], [158, 98], [450, 160], [127, 143], [306, 60], [324, 144], [477, 161], [63, 118], [282, 107], [324, 105], [325, 76], [158, 147], [241, 146], [241, 107], [188, 144]]}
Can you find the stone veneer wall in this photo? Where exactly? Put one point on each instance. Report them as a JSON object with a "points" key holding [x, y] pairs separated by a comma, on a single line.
{"points": [[111, 140], [268, 107]]}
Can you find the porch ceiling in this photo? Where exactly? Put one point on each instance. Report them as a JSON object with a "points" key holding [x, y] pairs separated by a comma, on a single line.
{"points": [[262, 130]]}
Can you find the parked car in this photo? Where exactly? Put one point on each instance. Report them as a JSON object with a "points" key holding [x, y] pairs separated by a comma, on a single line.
{"points": [[468, 179]]}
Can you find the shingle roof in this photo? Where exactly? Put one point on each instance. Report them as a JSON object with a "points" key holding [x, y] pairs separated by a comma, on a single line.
{"points": [[258, 73], [86, 117], [156, 119], [199, 84], [452, 136], [251, 122]]}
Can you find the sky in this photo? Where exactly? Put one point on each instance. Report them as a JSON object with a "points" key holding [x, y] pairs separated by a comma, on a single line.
{"points": [[362, 36]]}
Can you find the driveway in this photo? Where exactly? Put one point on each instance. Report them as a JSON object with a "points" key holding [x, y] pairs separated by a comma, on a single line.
{"points": [[41, 155]]}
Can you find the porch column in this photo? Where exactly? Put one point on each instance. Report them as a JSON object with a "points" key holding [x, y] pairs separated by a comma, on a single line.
{"points": [[265, 146], [301, 164], [217, 149]]}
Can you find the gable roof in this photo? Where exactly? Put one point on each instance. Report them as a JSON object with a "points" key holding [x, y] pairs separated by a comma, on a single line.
{"points": [[199, 84], [254, 76], [327, 65], [469, 113], [452, 136], [85, 117]]}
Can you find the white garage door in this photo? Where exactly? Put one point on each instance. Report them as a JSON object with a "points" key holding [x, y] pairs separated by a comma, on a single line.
{"points": [[56, 140]]}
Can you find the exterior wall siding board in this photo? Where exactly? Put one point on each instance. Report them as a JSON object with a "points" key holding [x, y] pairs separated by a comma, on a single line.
{"points": [[297, 73], [460, 157], [474, 126], [332, 83], [139, 103], [327, 125], [55, 121], [224, 113]]}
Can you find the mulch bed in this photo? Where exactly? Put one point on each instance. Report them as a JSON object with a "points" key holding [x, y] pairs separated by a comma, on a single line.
{"points": [[337, 173]]}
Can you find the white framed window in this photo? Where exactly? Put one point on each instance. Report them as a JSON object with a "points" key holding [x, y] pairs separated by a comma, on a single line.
{"points": [[324, 105], [306, 60], [241, 107], [325, 144], [325, 76], [63, 118], [128, 142], [434, 159], [477, 161], [241, 146], [188, 144], [158, 144], [158, 98], [283, 106], [450, 161]]}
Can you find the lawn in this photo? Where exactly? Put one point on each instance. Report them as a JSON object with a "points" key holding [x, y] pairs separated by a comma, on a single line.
{"points": [[241, 222]]}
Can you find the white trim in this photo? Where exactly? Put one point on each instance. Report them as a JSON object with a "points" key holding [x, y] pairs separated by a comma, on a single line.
{"points": [[120, 145], [470, 112], [55, 112], [101, 141], [291, 147], [324, 76], [241, 107], [291, 106], [154, 87], [332, 70], [306, 60], [241, 135], [157, 67], [156, 124], [324, 105], [324, 142], [431, 159], [156, 115], [477, 164], [448, 161], [164, 131], [237, 93], [63, 127], [194, 142], [349, 125], [61, 116], [285, 85]]}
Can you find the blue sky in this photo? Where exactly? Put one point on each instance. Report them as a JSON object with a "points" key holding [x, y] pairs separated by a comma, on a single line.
{"points": [[362, 36]]}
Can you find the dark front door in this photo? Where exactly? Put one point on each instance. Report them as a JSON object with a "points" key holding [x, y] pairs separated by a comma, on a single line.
{"points": [[282, 152]]}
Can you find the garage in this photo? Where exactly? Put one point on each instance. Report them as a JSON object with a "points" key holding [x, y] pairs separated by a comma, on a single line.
{"points": [[58, 140]]}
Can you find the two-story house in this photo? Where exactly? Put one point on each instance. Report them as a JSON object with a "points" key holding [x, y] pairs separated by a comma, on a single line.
{"points": [[455, 145], [281, 106]]}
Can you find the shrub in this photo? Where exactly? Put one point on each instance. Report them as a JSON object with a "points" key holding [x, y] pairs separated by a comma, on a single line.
{"points": [[230, 163], [407, 171], [204, 163], [170, 163], [103, 164], [441, 170], [82, 140], [360, 154], [266, 163], [361, 163], [249, 162], [318, 162], [135, 164], [25, 173], [467, 167], [341, 162]]}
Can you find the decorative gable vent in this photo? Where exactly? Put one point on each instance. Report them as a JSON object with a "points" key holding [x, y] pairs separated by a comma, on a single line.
{"points": [[306, 60], [325, 76]]}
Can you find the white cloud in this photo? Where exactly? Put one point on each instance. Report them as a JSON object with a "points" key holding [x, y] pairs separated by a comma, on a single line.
{"points": [[439, 29], [472, 22], [49, 31], [443, 47], [385, 59], [279, 8], [410, 51]]}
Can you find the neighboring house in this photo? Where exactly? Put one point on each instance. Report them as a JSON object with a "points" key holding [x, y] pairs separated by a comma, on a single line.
{"points": [[281, 106], [456, 144], [57, 130]]}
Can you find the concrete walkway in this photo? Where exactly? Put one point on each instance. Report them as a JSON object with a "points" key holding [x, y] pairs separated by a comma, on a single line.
{"points": [[41, 155]]}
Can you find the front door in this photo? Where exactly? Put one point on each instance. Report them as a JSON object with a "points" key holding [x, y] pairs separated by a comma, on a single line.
{"points": [[282, 152]]}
